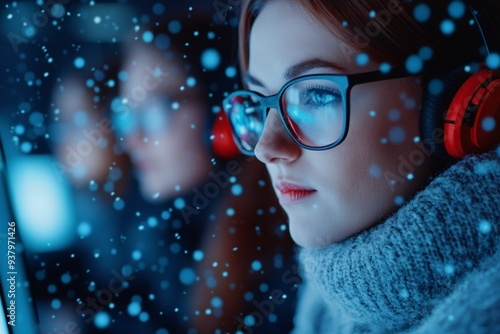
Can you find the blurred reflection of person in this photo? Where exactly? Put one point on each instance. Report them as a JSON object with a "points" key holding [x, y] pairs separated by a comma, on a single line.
{"points": [[197, 266]]}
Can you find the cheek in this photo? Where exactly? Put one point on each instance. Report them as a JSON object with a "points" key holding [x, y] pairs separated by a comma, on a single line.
{"points": [[382, 130], [386, 120]]}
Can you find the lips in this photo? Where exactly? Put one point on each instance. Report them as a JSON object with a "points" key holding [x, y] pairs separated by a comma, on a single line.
{"points": [[289, 193]]}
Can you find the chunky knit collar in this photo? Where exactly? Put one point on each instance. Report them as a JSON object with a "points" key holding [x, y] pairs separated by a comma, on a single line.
{"points": [[391, 276]]}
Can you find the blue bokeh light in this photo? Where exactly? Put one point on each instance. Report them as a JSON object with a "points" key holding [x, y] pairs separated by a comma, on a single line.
{"points": [[422, 12], [456, 9], [447, 27]]}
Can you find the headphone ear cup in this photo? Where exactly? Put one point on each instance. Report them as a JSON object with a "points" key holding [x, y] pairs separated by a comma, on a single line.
{"points": [[473, 115], [435, 105], [223, 144]]}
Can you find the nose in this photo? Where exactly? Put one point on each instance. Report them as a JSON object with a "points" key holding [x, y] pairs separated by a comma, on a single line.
{"points": [[275, 145]]}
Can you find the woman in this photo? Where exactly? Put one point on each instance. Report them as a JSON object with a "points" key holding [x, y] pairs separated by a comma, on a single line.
{"points": [[394, 233]]}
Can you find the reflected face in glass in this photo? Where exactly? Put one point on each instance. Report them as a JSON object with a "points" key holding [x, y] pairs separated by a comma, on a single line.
{"points": [[331, 195], [161, 124], [78, 115]]}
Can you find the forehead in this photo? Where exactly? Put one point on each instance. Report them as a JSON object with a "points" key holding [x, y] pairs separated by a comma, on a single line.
{"points": [[143, 62], [285, 34]]}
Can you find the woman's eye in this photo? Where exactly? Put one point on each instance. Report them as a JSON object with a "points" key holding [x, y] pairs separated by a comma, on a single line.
{"points": [[322, 97]]}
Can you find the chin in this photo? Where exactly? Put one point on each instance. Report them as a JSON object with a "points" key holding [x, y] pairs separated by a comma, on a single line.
{"points": [[305, 235]]}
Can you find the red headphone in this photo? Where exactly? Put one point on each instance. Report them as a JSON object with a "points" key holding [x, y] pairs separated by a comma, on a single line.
{"points": [[223, 144], [473, 116]]}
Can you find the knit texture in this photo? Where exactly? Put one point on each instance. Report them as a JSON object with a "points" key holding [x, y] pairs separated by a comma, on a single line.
{"points": [[416, 270]]}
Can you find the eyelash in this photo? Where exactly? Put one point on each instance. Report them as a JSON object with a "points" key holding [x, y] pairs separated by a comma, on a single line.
{"points": [[304, 91]]}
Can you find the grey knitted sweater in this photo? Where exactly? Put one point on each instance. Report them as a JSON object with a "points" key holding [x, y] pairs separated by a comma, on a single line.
{"points": [[432, 267]]}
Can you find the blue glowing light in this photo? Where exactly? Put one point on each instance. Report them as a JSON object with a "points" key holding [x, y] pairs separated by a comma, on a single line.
{"points": [[456, 9], [134, 308], [385, 67], [56, 304], [397, 135], [162, 41], [158, 8], [436, 86], [493, 61], [422, 12], [147, 36], [84, 229], [174, 27], [210, 59], [179, 203], [198, 255], [236, 189], [79, 62], [394, 115], [187, 276], [118, 204], [26, 147], [488, 124], [256, 265], [425, 53], [447, 27], [102, 320], [414, 64], [484, 226], [230, 72], [362, 59], [216, 302], [375, 171]]}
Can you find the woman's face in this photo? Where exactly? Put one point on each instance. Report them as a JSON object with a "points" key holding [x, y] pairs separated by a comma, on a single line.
{"points": [[333, 194], [163, 134]]}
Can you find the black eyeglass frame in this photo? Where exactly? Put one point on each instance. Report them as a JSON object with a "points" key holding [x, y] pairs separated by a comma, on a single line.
{"points": [[345, 82]]}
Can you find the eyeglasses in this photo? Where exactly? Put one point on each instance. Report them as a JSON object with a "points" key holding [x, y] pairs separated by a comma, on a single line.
{"points": [[313, 108], [152, 116]]}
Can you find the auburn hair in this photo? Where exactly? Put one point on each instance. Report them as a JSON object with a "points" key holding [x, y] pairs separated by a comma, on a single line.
{"points": [[391, 28]]}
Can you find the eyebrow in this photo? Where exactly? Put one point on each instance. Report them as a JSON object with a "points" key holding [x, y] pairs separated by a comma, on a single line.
{"points": [[300, 68], [297, 70]]}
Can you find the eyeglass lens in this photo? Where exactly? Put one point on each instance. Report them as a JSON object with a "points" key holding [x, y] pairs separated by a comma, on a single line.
{"points": [[312, 110]]}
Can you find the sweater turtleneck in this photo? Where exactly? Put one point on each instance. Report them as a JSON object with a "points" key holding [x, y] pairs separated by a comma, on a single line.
{"points": [[391, 277]]}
